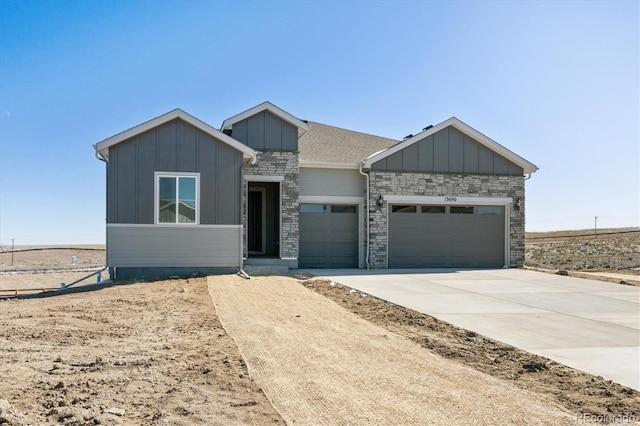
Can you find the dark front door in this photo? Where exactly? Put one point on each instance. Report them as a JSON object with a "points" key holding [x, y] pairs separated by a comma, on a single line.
{"points": [[255, 221]]}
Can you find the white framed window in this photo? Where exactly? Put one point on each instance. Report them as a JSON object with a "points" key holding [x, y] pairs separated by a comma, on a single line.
{"points": [[177, 198]]}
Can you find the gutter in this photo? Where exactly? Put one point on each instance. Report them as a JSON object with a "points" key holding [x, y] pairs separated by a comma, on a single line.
{"points": [[99, 156], [366, 175]]}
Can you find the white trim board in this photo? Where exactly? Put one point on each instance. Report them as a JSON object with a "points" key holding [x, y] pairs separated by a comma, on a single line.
{"points": [[447, 199], [103, 147], [167, 225], [321, 199], [304, 164], [263, 178]]}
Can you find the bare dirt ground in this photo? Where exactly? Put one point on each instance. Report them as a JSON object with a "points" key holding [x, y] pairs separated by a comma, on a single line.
{"points": [[157, 351], [574, 390], [144, 353], [42, 267], [323, 365], [612, 250]]}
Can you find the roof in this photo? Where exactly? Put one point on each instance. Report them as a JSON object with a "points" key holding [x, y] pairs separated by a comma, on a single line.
{"points": [[328, 145], [464, 128], [102, 147], [266, 106]]}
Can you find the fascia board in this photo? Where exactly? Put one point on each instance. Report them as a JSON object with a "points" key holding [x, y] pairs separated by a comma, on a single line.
{"points": [[266, 106], [527, 166], [103, 147], [390, 151]]}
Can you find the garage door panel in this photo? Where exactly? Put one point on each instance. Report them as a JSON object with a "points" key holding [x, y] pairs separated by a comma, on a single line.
{"points": [[329, 239], [446, 239]]}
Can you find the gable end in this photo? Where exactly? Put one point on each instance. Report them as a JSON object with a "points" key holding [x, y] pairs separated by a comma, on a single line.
{"points": [[448, 151], [266, 131]]}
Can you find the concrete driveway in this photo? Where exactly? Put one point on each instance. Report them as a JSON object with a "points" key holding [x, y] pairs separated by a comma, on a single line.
{"points": [[589, 325]]}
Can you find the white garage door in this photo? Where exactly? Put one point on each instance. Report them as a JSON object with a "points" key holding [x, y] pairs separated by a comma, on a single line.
{"points": [[439, 236]]}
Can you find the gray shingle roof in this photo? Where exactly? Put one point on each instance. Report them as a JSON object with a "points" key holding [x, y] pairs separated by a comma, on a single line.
{"points": [[328, 144]]}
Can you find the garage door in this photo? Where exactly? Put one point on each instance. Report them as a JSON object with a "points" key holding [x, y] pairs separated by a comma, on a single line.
{"points": [[433, 236], [328, 236]]}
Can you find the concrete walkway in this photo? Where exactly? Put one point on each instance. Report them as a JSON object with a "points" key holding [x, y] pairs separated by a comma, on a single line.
{"points": [[589, 325], [319, 364]]}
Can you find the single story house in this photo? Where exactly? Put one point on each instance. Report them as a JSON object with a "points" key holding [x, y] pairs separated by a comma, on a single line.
{"points": [[270, 188]]}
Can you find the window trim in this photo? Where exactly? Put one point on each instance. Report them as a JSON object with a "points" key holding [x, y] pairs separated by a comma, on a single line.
{"points": [[156, 197]]}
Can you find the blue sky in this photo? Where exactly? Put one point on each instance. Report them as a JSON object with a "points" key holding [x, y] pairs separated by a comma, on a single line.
{"points": [[555, 82]]}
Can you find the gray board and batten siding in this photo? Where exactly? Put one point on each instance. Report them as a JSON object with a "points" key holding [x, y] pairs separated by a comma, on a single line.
{"points": [[266, 132], [448, 151], [175, 146]]}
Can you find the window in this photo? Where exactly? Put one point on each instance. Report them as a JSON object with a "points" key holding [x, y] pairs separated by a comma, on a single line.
{"points": [[312, 208], [403, 209], [177, 199], [432, 209], [490, 210], [343, 209], [461, 210]]}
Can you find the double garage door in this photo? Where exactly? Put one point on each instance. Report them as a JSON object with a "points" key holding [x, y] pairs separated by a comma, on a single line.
{"points": [[328, 236], [420, 236], [438, 236]]}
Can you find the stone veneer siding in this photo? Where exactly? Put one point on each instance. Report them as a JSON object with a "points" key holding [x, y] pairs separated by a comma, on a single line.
{"points": [[277, 163], [440, 184]]}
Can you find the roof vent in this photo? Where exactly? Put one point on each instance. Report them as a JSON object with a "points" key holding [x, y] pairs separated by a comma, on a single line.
{"points": [[407, 137], [428, 127]]}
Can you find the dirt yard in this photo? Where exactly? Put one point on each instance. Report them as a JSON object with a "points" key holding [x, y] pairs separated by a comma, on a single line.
{"points": [[578, 392], [610, 250], [42, 267], [146, 353], [141, 353]]}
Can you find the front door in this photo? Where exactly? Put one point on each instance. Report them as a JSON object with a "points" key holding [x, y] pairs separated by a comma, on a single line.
{"points": [[263, 219], [255, 225]]}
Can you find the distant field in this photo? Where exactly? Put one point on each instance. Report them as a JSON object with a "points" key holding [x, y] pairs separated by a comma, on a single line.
{"points": [[611, 250], [584, 250]]}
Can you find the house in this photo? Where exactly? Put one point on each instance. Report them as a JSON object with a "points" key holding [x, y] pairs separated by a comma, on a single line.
{"points": [[269, 188]]}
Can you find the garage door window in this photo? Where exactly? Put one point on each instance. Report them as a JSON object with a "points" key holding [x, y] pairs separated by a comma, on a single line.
{"points": [[433, 209], [490, 210], [312, 208], [461, 210], [343, 209], [403, 209]]}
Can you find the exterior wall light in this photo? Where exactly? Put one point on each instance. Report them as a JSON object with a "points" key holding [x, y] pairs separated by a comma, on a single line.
{"points": [[379, 200], [518, 204]]}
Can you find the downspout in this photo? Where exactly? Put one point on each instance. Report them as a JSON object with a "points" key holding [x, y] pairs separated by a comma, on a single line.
{"points": [[106, 236], [366, 175], [528, 176], [100, 157]]}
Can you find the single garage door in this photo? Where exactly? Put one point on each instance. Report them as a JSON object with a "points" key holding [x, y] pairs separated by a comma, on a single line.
{"points": [[433, 236], [328, 236]]}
